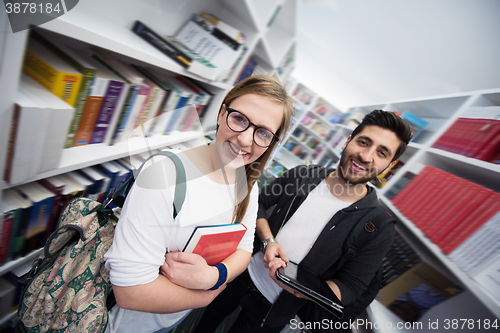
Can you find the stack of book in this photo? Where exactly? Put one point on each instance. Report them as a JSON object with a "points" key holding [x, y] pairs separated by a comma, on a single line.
{"points": [[475, 134], [73, 97], [315, 125], [448, 209], [30, 211], [303, 94], [204, 45]]}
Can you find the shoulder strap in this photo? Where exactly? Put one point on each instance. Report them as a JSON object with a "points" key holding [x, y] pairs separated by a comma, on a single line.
{"points": [[180, 183], [366, 228]]}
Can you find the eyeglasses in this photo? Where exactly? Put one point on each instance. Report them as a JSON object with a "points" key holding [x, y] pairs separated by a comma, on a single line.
{"points": [[238, 123]]}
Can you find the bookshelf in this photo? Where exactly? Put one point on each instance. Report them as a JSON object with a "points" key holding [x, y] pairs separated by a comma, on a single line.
{"points": [[107, 26], [309, 139], [475, 303]]}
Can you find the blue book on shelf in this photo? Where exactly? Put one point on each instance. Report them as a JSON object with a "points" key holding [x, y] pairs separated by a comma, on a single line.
{"points": [[417, 124]]}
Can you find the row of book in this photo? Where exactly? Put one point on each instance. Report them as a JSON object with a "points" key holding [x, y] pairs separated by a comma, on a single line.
{"points": [[105, 101], [475, 134], [315, 125], [30, 211], [449, 210], [410, 286], [204, 45]]}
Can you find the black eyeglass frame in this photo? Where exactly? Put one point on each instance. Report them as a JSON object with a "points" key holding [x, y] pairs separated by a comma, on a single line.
{"points": [[273, 140]]}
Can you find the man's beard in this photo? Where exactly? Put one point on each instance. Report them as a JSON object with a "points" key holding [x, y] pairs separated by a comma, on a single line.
{"points": [[350, 176]]}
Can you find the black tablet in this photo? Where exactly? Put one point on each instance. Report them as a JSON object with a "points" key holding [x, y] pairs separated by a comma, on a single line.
{"points": [[320, 293]]}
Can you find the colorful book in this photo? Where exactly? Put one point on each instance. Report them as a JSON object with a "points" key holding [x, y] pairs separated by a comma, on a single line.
{"points": [[417, 124], [42, 201], [52, 72], [56, 186], [99, 182], [56, 43], [106, 95], [215, 243]]}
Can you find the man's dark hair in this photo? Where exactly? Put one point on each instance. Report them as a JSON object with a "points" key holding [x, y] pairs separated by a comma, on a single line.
{"points": [[390, 121]]}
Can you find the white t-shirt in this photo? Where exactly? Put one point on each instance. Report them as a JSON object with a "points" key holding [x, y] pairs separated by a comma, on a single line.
{"points": [[297, 236], [146, 229]]}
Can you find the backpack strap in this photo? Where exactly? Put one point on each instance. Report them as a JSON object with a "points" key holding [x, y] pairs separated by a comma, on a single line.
{"points": [[366, 228], [180, 184]]}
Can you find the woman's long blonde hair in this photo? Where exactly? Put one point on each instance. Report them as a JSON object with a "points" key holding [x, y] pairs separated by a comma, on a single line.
{"points": [[272, 89]]}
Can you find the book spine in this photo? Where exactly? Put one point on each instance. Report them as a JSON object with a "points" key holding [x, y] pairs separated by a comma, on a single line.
{"points": [[490, 150], [11, 144], [87, 78], [161, 44], [463, 193], [148, 106], [443, 201], [474, 221], [91, 112], [5, 232], [479, 195], [108, 107], [125, 113]]}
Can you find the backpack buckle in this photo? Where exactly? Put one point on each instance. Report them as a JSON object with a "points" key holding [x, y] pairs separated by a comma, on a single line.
{"points": [[370, 227]]}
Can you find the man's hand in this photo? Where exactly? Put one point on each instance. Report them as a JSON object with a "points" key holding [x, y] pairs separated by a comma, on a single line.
{"points": [[275, 265], [189, 270], [273, 251]]}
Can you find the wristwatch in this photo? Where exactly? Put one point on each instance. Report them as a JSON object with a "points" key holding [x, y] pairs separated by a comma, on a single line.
{"points": [[266, 242]]}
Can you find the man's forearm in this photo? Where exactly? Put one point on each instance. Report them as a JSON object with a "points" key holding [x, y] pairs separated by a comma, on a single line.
{"points": [[263, 230]]}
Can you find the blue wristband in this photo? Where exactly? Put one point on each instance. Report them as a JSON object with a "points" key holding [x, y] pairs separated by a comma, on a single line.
{"points": [[222, 276]]}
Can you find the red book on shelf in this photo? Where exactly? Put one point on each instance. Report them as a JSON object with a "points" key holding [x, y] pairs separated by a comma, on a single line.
{"points": [[465, 207], [471, 223], [465, 133], [443, 200], [490, 150], [482, 137], [421, 203], [447, 140], [401, 199], [461, 196], [215, 243]]}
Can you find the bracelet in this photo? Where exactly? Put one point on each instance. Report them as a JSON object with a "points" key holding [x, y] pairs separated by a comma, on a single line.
{"points": [[222, 276]]}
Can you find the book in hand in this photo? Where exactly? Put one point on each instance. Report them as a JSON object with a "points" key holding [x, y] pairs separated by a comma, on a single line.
{"points": [[215, 242], [311, 286]]}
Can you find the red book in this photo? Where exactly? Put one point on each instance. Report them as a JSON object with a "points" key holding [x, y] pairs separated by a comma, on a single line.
{"points": [[482, 137], [467, 131], [466, 206], [490, 150], [436, 180], [215, 243], [447, 139], [483, 213], [401, 199], [442, 201]]}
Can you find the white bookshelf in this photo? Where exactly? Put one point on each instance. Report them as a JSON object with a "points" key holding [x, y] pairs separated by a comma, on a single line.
{"points": [[107, 25], [475, 303]]}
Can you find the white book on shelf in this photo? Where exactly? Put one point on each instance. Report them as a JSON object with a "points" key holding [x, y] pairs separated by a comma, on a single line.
{"points": [[28, 130], [61, 114]]}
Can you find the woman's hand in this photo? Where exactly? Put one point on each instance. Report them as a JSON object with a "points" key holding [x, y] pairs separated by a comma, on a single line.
{"points": [[189, 270]]}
